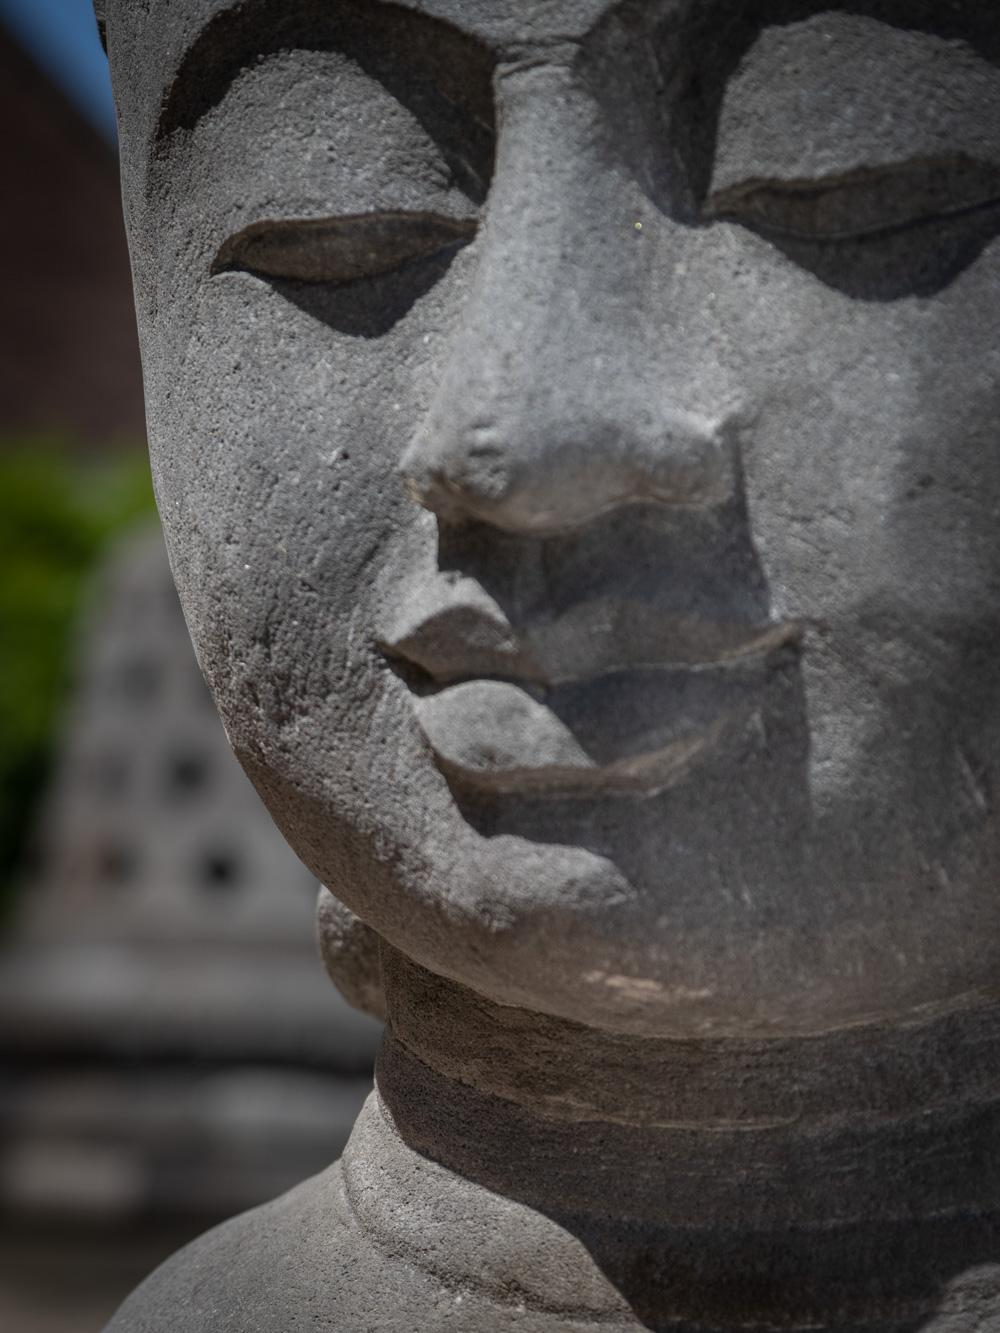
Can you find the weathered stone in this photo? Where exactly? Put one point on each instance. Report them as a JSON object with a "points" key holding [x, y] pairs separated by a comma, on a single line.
{"points": [[605, 605]]}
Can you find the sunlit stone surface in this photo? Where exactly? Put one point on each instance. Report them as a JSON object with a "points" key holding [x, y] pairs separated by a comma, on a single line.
{"points": [[574, 425]]}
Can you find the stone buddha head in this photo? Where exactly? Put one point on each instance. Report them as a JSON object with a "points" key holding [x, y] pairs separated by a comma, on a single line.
{"points": [[575, 429]]}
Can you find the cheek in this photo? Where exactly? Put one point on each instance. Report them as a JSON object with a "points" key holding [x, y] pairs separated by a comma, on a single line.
{"points": [[872, 472], [276, 437]]}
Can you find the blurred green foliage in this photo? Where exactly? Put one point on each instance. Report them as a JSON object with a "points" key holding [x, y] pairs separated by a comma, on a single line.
{"points": [[57, 513]]}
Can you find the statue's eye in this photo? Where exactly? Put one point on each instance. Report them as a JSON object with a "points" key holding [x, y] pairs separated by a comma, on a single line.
{"points": [[864, 150], [339, 250], [861, 203], [879, 233]]}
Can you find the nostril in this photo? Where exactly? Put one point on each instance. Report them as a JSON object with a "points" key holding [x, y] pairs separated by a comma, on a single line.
{"points": [[483, 469], [471, 473]]}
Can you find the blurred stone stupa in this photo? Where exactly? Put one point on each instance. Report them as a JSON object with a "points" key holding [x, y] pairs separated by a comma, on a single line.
{"points": [[169, 1040]]}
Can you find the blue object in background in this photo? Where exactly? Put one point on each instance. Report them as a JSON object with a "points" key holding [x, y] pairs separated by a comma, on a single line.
{"points": [[62, 37]]}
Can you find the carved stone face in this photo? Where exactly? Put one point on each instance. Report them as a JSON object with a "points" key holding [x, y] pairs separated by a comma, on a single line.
{"points": [[575, 427]]}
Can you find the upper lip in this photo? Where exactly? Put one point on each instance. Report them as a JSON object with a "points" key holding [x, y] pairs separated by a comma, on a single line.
{"points": [[459, 633]]}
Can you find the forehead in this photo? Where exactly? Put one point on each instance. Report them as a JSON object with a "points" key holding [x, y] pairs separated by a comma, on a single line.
{"points": [[174, 25], [162, 33]]}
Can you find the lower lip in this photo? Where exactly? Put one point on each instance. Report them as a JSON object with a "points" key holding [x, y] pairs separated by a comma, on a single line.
{"points": [[636, 731]]}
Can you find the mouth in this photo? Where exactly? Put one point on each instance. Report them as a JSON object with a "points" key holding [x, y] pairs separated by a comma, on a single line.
{"points": [[609, 696]]}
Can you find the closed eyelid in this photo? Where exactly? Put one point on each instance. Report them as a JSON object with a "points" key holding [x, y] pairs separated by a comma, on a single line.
{"points": [[439, 73], [340, 249], [863, 202], [870, 102]]}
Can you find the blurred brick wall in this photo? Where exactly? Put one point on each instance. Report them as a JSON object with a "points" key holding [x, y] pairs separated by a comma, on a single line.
{"points": [[69, 357]]}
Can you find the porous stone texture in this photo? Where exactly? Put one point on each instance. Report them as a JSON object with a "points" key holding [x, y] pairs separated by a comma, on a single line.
{"points": [[574, 425]]}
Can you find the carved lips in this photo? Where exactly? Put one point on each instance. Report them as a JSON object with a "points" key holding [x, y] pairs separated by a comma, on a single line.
{"points": [[610, 695]]}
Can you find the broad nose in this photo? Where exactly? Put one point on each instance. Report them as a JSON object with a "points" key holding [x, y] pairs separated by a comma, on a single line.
{"points": [[554, 405]]}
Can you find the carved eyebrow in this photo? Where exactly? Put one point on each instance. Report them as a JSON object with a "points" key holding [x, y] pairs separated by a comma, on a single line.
{"points": [[441, 74]]}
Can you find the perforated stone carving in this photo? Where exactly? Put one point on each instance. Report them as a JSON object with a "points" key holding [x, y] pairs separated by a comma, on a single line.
{"points": [[168, 1042]]}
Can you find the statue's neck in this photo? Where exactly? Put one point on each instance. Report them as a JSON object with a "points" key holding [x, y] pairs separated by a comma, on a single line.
{"points": [[838, 1182]]}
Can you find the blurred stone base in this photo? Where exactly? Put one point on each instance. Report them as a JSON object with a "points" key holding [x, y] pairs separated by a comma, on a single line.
{"points": [[101, 1146], [68, 1281], [105, 1171]]}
